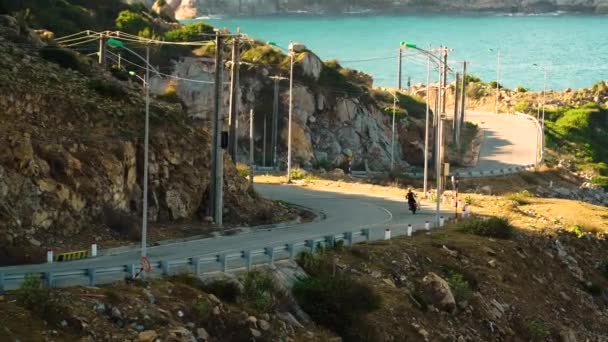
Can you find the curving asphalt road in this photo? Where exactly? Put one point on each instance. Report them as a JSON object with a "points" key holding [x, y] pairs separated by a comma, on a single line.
{"points": [[508, 141], [343, 212]]}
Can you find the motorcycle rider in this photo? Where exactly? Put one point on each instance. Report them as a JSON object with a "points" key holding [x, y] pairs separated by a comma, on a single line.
{"points": [[411, 200]]}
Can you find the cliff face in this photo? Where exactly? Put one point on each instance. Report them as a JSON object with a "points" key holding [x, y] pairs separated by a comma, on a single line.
{"points": [[328, 124], [184, 9]]}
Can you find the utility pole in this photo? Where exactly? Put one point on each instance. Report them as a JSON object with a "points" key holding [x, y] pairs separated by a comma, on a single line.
{"points": [[144, 219], [463, 96], [291, 54], [497, 79], [275, 120], [264, 142], [439, 166], [399, 64], [251, 156], [216, 203], [393, 133], [426, 127], [234, 90], [456, 122], [445, 79], [102, 50]]}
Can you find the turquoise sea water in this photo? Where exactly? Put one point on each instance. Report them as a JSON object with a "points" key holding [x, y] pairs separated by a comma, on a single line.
{"points": [[574, 48]]}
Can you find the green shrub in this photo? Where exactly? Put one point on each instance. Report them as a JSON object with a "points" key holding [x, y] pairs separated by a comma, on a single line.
{"points": [[469, 200], [498, 227], [201, 309], [521, 197], [224, 289], [258, 289], [577, 231], [65, 58], [107, 88], [297, 173], [472, 79], [170, 95], [458, 284], [189, 33], [521, 89], [267, 55], [536, 330], [601, 181], [338, 78], [131, 22], [524, 107], [324, 164], [493, 85], [242, 170], [338, 302], [34, 296]]}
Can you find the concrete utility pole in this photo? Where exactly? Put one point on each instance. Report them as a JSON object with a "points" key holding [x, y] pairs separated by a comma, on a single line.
{"points": [[264, 142], [234, 90], [445, 79], [393, 132], [144, 219], [275, 120], [426, 127], [292, 55], [456, 122], [102, 50], [439, 166], [399, 67], [251, 147], [217, 179], [463, 96]]}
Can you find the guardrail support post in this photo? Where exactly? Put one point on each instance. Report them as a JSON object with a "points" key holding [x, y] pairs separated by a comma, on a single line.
{"points": [[270, 252], [367, 233], [223, 262], [311, 244], [349, 238], [291, 248], [48, 276], [196, 265], [91, 274], [2, 283], [164, 266], [131, 270], [248, 259]]}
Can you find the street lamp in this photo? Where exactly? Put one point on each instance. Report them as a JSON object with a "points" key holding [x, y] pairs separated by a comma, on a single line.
{"points": [[497, 78], [119, 44]]}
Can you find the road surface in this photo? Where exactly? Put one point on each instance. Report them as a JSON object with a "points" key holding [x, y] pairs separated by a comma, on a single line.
{"points": [[508, 141], [343, 212]]}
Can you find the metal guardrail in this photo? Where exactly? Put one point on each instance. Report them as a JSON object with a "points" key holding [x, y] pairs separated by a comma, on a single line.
{"points": [[196, 264]]}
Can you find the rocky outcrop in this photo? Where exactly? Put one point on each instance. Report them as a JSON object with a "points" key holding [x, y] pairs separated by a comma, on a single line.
{"points": [[184, 9], [72, 145], [327, 126]]}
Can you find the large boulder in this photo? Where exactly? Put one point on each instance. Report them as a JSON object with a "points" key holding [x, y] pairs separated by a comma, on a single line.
{"points": [[438, 292], [303, 103], [311, 65]]}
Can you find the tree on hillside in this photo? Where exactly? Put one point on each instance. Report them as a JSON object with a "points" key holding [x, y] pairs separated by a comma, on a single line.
{"points": [[132, 22]]}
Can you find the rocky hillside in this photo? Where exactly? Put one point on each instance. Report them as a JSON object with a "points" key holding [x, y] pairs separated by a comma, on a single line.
{"points": [[72, 155], [184, 9]]}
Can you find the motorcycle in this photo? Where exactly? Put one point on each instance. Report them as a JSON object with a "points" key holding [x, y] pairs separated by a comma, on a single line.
{"points": [[413, 206]]}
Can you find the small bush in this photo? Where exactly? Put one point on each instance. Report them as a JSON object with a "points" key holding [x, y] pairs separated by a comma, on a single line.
{"points": [[471, 79], [65, 58], [34, 296], [170, 95], [469, 200], [493, 85], [577, 231], [201, 309], [107, 88], [601, 181], [339, 303], [536, 330], [132, 22], [224, 289], [521, 89], [298, 173], [458, 284], [498, 227], [242, 170], [324, 164], [521, 197], [258, 289], [189, 33]]}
